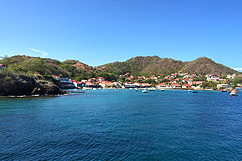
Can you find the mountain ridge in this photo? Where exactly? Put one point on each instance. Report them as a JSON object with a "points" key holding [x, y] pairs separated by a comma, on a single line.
{"points": [[157, 65], [139, 65]]}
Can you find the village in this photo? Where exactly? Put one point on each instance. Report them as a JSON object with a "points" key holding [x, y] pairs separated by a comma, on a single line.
{"points": [[160, 81], [172, 81]]}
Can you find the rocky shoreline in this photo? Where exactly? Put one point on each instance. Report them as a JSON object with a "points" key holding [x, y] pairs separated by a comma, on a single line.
{"points": [[11, 85]]}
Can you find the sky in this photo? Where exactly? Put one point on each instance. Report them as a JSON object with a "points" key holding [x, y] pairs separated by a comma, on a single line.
{"points": [[97, 32]]}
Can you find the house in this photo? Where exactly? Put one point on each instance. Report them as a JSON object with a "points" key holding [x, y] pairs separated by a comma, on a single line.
{"points": [[219, 86], [175, 85], [2, 66], [162, 85], [92, 85], [197, 82], [66, 83], [145, 85], [105, 84], [92, 80], [228, 76], [79, 84], [55, 76], [138, 85], [129, 85], [186, 86], [100, 79], [117, 84], [212, 77]]}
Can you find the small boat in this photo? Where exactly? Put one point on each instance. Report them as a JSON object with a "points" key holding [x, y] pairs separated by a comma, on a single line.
{"points": [[223, 90], [152, 89], [194, 91], [233, 93], [144, 91], [162, 89], [189, 90]]}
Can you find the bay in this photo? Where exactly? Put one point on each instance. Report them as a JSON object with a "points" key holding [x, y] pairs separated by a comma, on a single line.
{"points": [[122, 124]]}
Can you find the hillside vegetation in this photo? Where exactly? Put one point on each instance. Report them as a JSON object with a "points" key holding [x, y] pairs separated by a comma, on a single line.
{"points": [[73, 69], [156, 65], [150, 65], [204, 65], [22, 64]]}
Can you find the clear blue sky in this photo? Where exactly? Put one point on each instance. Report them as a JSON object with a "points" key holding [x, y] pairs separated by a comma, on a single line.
{"points": [[97, 32]]}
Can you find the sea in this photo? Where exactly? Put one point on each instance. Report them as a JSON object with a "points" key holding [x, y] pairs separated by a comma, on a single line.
{"points": [[122, 124]]}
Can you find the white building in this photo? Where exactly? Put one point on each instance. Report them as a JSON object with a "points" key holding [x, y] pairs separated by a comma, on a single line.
{"points": [[222, 86], [231, 76]]}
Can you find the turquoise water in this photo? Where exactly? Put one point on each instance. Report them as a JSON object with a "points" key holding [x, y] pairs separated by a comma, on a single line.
{"points": [[121, 124]]}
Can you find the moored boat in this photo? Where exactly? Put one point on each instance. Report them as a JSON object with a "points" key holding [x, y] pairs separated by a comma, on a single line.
{"points": [[152, 89], [144, 91], [233, 93]]}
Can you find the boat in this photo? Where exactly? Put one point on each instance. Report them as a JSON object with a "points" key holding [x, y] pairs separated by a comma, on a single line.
{"points": [[194, 91], [233, 93], [223, 90], [162, 89], [144, 91], [152, 89]]}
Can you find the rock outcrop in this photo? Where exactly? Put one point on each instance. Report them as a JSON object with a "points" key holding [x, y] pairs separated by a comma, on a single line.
{"points": [[24, 85]]}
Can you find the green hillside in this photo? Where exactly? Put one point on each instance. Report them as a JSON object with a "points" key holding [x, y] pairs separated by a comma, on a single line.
{"points": [[26, 65], [33, 65], [150, 65], [156, 65]]}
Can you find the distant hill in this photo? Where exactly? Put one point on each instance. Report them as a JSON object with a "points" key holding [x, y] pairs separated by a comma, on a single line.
{"points": [[156, 65], [143, 65], [205, 65], [140, 65]]}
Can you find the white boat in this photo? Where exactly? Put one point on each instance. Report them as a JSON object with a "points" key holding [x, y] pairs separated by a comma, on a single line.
{"points": [[162, 89], [233, 93], [144, 91], [152, 89]]}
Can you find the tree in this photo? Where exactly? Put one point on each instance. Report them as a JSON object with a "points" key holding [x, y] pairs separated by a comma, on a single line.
{"points": [[121, 79], [237, 79], [152, 84], [91, 74], [80, 77]]}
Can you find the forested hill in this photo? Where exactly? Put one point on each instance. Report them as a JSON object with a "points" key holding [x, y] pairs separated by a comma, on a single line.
{"points": [[156, 65], [204, 65], [149, 65], [22, 64], [143, 66]]}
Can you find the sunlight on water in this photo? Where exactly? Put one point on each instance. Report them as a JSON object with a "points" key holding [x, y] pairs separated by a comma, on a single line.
{"points": [[122, 125]]}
